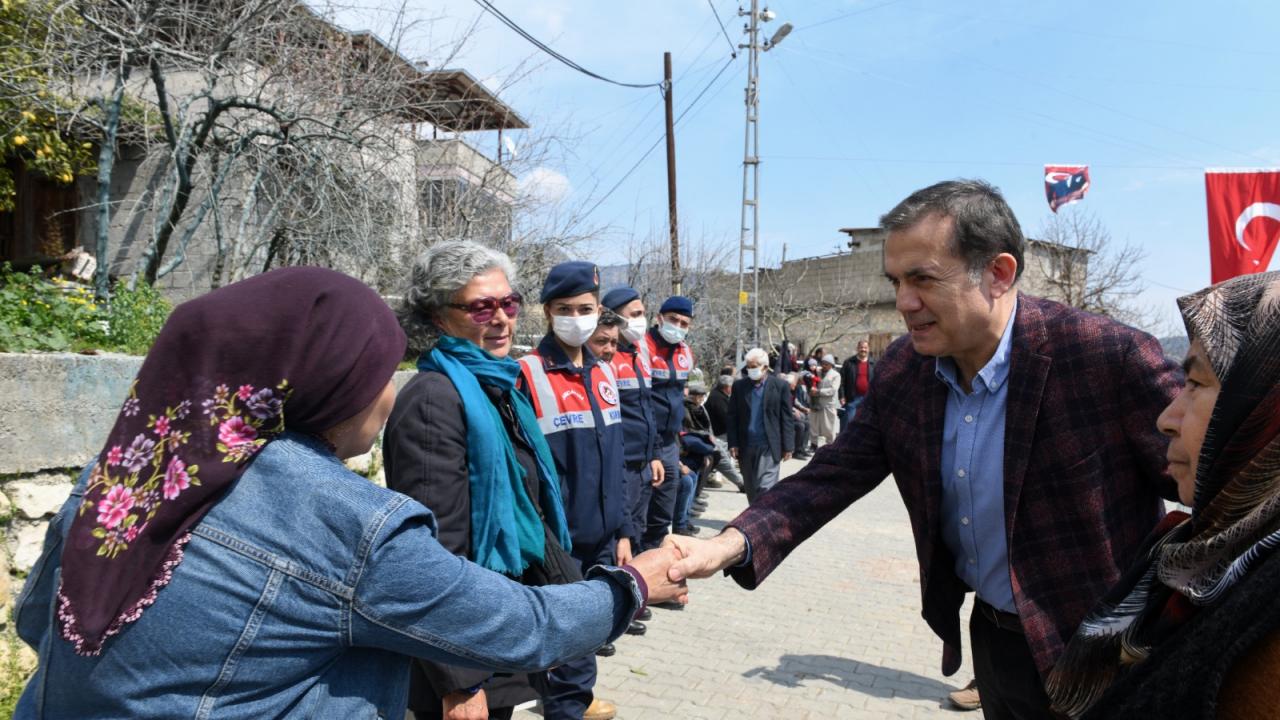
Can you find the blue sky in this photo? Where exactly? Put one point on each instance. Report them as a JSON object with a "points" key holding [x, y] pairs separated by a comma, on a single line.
{"points": [[866, 101]]}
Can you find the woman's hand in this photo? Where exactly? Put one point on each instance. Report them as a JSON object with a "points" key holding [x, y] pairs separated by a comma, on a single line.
{"points": [[653, 566]]}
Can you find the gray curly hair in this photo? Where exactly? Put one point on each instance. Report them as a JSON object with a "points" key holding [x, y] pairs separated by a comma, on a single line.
{"points": [[438, 273]]}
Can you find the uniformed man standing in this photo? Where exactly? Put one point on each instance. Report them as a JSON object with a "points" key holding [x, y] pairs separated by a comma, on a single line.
{"points": [[576, 400], [671, 361], [631, 367]]}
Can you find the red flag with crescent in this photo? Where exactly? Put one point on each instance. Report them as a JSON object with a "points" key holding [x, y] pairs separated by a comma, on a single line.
{"points": [[1244, 220]]}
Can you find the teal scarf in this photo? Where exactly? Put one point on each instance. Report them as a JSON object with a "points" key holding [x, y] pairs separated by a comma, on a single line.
{"points": [[506, 532]]}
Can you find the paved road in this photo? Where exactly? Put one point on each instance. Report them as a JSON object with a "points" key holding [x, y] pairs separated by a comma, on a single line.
{"points": [[835, 632]]}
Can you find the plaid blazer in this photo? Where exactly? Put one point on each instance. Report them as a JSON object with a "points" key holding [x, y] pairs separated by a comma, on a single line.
{"points": [[1084, 471]]}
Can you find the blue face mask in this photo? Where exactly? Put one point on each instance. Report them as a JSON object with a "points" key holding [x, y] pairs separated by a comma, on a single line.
{"points": [[671, 333]]}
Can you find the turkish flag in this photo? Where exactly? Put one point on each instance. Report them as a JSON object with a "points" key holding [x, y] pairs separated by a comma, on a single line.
{"points": [[1244, 220]]}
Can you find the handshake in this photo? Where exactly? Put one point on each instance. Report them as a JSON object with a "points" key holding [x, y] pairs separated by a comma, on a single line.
{"points": [[665, 569]]}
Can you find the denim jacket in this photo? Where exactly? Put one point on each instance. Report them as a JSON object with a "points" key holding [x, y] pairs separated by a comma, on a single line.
{"points": [[302, 594]]}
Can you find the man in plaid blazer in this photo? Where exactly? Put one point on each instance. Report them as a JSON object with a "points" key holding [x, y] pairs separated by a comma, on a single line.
{"points": [[1040, 509]]}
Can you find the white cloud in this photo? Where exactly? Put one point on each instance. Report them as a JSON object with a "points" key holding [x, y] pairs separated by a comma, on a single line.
{"points": [[546, 184]]}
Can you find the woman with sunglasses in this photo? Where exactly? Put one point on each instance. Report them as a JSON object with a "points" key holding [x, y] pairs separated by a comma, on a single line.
{"points": [[462, 441]]}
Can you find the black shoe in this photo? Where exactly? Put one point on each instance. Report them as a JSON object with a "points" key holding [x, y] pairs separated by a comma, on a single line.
{"points": [[607, 650], [695, 513], [700, 507], [668, 605], [688, 530], [636, 628], [645, 614], [802, 456]]}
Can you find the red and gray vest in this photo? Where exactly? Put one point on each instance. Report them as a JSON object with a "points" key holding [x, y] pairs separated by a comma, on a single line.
{"points": [[670, 366], [579, 414], [631, 370]]}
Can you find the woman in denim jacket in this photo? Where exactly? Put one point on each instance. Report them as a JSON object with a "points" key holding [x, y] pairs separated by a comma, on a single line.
{"points": [[218, 560]]}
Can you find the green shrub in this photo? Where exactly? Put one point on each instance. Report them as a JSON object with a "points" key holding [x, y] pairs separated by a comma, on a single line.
{"points": [[135, 318], [42, 315]]}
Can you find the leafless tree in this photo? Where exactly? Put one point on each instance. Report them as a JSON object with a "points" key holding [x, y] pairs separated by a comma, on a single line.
{"points": [[1085, 268], [798, 306], [257, 122], [703, 280]]}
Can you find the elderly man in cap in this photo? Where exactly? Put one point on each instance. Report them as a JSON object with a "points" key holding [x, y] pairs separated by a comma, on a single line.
{"points": [[826, 403], [576, 400], [671, 361], [761, 426]]}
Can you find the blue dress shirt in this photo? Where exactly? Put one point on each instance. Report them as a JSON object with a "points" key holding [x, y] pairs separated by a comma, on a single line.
{"points": [[973, 520]]}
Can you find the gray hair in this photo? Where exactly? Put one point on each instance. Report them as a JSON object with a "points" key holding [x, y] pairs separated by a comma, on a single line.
{"points": [[757, 354], [438, 273], [983, 225]]}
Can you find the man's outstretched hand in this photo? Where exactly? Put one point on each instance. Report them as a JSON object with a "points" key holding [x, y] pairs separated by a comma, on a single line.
{"points": [[704, 558], [655, 566]]}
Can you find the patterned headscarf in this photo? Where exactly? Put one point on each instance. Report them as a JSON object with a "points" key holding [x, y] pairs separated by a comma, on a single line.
{"points": [[297, 348], [1235, 522]]}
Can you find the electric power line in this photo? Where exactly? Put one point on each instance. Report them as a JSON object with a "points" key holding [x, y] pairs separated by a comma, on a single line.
{"points": [[486, 5], [656, 143], [842, 16], [733, 50]]}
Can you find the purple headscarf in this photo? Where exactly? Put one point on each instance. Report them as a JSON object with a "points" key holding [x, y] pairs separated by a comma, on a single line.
{"points": [[297, 348]]}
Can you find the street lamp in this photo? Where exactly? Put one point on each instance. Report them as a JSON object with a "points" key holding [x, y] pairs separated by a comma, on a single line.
{"points": [[783, 31]]}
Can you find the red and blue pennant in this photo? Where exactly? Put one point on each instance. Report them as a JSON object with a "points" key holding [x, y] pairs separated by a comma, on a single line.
{"points": [[1065, 184]]}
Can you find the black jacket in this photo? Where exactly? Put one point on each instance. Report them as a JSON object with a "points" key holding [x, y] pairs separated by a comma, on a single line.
{"points": [[425, 451], [1184, 674], [779, 425], [849, 377], [717, 406]]}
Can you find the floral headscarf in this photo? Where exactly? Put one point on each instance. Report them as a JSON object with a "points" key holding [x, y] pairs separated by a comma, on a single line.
{"points": [[297, 348], [1192, 564]]}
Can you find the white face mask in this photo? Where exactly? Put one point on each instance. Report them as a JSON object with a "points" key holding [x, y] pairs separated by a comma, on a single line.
{"points": [[634, 329], [671, 333], [574, 330], [755, 373]]}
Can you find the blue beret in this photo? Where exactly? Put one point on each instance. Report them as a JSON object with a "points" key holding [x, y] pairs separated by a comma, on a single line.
{"points": [[677, 304], [619, 296], [570, 278]]}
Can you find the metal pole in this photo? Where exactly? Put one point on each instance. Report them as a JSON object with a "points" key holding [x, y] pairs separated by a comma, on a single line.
{"points": [[749, 179], [671, 176], [755, 191]]}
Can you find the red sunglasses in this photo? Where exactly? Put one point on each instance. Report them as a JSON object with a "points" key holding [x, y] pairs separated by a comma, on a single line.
{"points": [[482, 310]]}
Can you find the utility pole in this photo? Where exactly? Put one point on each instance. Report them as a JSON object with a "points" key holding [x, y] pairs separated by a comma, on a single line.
{"points": [[749, 234], [671, 176], [749, 237]]}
